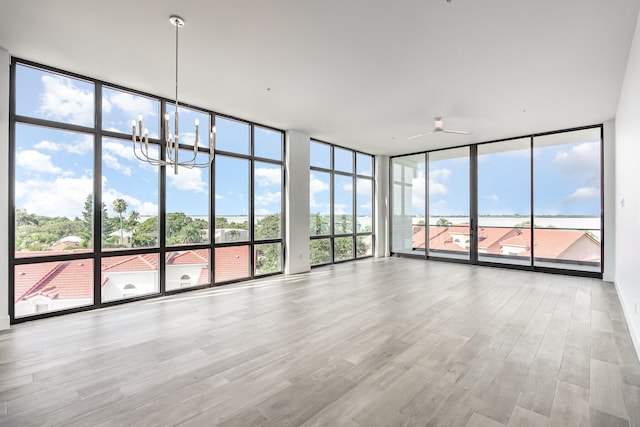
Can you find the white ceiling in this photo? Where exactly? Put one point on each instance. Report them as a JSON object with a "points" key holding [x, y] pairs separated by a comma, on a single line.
{"points": [[365, 74]]}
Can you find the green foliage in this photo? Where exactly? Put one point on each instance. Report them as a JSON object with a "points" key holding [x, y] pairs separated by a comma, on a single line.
{"points": [[443, 222], [320, 251], [38, 233], [320, 224], [182, 229], [268, 227]]}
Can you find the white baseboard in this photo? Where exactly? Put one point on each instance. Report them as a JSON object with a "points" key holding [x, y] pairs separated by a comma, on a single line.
{"points": [[4, 323], [635, 334]]}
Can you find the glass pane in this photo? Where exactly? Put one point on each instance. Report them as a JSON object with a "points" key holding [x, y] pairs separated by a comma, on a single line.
{"points": [[364, 198], [343, 160], [449, 232], [343, 204], [320, 154], [120, 108], [232, 135], [232, 200], [504, 205], [231, 262], [343, 248], [267, 201], [320, 251], [51, 96], [129, 197], [364, 246], [567, 200], [129, 276], [268, 143], [364, 164], [52, 286], [408, 204], [187, 220], [53, 191], [268, 258], [320, 203], [187, 125], [186, 269]]}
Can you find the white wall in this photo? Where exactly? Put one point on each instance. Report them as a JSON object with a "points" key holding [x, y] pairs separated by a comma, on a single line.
{"points": [[609, 189], [381, 206], [627, 176], [5, 61], [297, 209]]}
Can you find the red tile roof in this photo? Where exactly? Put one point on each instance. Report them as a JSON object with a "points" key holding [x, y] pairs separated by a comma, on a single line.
{"points": [[550, 243], [232, 262]]}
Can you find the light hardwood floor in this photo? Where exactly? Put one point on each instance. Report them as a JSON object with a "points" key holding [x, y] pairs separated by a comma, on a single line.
{"points": [[372, 343]]}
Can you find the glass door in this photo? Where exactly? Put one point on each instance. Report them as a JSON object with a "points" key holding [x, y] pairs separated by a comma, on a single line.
{"points": [[504, 202], [449, 234]]}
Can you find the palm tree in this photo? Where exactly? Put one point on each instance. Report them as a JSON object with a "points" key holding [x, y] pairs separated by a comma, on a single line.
{"points": [[120, 207]]}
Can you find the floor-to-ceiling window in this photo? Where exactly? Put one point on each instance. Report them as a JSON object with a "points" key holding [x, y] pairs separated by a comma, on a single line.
{"points": [[504, 201], [93, 224], [449, 233], [409, 204], [341, 203], [532, 202], [567, 199]]}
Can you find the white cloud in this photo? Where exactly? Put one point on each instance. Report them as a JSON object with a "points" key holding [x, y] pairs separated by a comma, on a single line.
{"points": [[131, 105], [580, 159], [366, 206], [62, 196], [119, 149], [133, 203], [439, 203], [347, 187], [113, 163], [492, 197], [218, 197], [581, 194], [339, 209], [82, 145], [364, 186], [437, 179], [268, 176], [316, 186], [188, 180], [47, 146], [268, 198], [63, 101], [36, 161]]}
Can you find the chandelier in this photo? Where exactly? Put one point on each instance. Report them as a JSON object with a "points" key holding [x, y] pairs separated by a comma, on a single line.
{"points": [[169, 143]]}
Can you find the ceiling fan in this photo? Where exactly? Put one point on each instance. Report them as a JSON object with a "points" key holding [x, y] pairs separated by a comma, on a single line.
{"points": [[438, 128]]}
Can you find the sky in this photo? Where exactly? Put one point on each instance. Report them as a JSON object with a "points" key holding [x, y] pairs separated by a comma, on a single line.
{"points": [[566, 179], [320, 185], [55, 173]]}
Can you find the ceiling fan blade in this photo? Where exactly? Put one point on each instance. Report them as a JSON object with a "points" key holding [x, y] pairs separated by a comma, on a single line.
{"points": [[459, 132], [418, 136]]}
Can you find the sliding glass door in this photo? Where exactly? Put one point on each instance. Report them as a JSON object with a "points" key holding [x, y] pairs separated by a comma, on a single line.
{"points": [[567, 200], [409, 204], [532, 202], [449, 205], [504, 202]]}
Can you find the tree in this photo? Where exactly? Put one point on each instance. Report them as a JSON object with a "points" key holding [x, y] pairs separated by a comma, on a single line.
{"points": [[132, 221], [269, 227], [120, 207], [443, 222], [189, 234], [87, 220], [268, 255]]}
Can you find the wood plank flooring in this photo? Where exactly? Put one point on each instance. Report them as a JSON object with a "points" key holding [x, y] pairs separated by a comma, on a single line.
{"points": [[378, 342]]}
